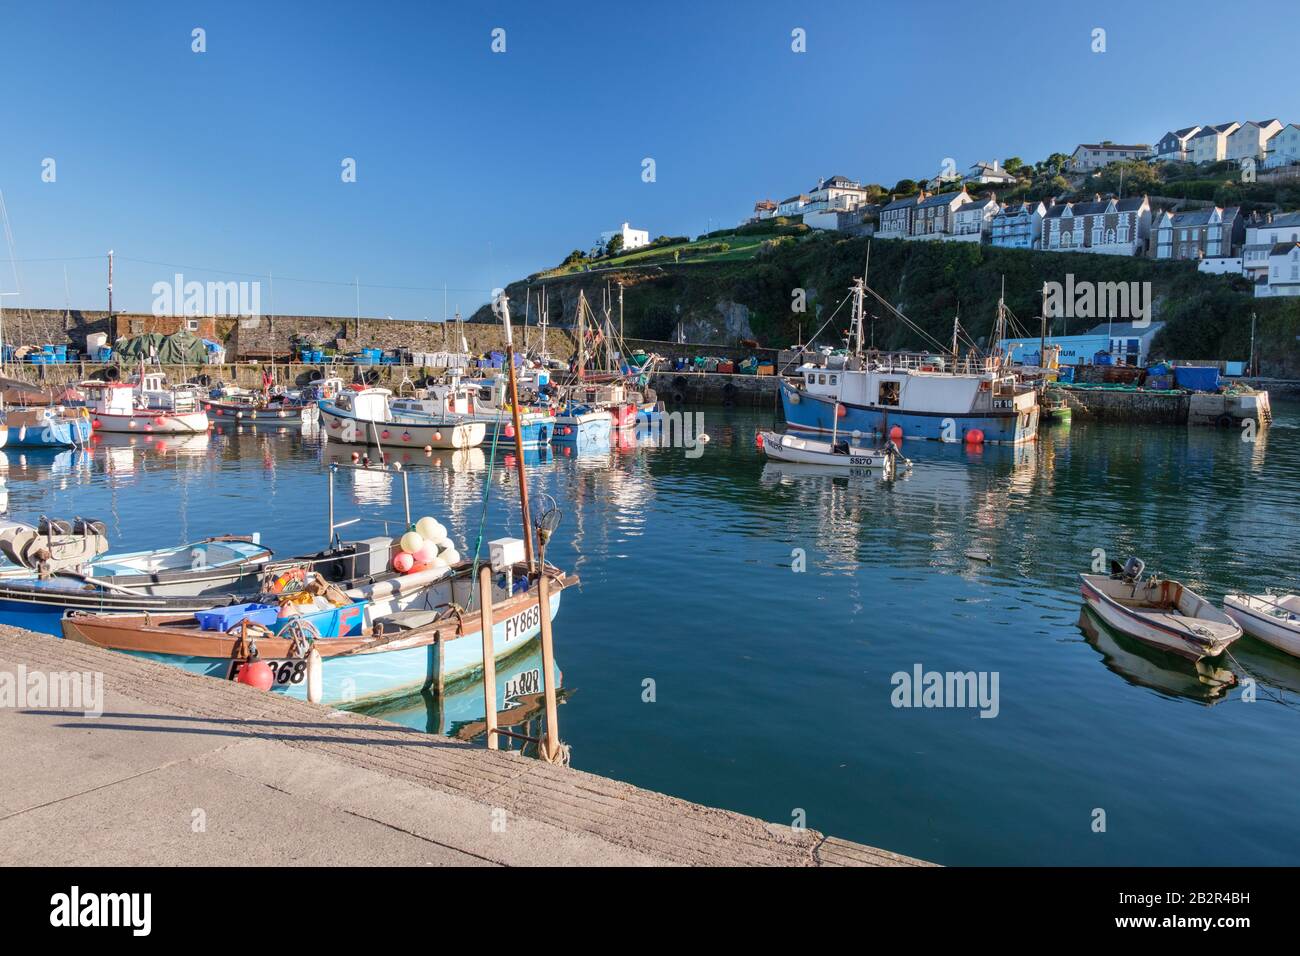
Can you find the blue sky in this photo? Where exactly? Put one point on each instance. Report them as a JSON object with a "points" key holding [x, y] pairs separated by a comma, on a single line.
{"points": [[476, 168]]}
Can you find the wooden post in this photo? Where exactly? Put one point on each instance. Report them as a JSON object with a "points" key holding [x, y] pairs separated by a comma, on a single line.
{"points": [[551, 748], [489, 656]]}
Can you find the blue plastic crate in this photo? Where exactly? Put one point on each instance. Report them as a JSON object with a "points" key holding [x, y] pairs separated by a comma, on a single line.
{"points": [[346, 621], [224, 618]]}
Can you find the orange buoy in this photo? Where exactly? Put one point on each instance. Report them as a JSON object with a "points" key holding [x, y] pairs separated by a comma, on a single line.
{"points": [[758, 439], [840, 410], [896, 433], [974, 437], [256, 674], [510, 431]]}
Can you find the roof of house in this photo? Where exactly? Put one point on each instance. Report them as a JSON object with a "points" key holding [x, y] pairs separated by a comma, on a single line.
{"points": [[1267, 122], [1283, 130], [1019, 208], [1201, 217], [1111, 146], [976, 204], [765, 204], [1284, 248], [1215, 130], [943, 199], [1125, 328], [1280, 222], [794, 199], [900, 203], [1185, 132], [840, 182]]}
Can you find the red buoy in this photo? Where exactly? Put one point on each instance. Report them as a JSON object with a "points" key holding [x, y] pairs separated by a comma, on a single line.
{"points": [[841, 411], [758, 439], [510, 431], [256, 674], [896, 433], [974, 437]]}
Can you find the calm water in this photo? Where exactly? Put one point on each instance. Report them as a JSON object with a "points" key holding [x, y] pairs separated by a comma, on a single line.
{"points": [[772, 688]]}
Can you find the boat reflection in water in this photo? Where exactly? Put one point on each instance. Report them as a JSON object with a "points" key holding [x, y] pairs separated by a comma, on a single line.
{"points": [[459, 711], [1145, 666], [457, 460]]}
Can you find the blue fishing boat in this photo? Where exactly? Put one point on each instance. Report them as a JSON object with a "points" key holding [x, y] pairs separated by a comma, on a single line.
{"points": [[974, 400], [47, 427], [415, 636], [580, 425]]}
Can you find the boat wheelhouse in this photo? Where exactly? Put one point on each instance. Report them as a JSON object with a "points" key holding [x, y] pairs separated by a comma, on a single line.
{"points": [[114, 408]]}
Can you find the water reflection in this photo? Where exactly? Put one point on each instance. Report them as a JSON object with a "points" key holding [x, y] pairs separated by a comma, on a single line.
{"points": [[1203, 681]]}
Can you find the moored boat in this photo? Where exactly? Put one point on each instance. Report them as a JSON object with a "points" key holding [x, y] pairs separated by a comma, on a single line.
{"points": [[48, 427], [114, 408], [1159, 612], [364, 417], [835, 453], [1271, 618], [406, 642]]}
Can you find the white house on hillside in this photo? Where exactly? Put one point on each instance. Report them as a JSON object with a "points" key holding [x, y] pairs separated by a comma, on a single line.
{"points": [[1211, 144], [1018, 225], [1283, 271], [1283, 147], [1247, 140], [1262, 234], [792, 206], [1089, 156], [973, 220], [837, 193], [632, 238], [990, 173]]}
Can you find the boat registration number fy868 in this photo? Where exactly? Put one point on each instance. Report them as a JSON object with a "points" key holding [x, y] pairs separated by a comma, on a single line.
{"points": [[517, 625], [284, 672]]}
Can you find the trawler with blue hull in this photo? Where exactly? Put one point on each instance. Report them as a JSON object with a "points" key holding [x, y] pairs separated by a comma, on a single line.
{"points": [[971, 399]]}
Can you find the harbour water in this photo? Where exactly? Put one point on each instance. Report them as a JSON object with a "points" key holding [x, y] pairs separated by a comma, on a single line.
{"points": [[699, 660]]}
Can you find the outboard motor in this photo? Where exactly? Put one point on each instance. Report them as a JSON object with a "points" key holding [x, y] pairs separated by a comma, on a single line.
{"points": [[53, 545], [1133, 569]]}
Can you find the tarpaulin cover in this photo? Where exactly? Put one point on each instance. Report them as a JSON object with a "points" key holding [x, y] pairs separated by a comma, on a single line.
{"points": [[179, 348]]}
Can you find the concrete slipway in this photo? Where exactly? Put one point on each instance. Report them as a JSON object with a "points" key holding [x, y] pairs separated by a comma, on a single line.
{"points": [[182, 769]]}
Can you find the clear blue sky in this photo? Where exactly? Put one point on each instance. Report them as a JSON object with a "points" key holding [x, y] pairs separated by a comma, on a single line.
{"points": [[477, 168]]}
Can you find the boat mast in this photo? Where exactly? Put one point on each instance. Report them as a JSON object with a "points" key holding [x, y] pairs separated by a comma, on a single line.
{"points": [[519, 434], [582, 337], [956, 324], [1042, 332]]}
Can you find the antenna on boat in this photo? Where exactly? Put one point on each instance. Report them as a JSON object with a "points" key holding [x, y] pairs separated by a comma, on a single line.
{"points": [[504, 307]]}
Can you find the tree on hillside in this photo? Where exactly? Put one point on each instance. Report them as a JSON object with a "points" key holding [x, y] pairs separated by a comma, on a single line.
{"points": [[1044, 187], [906, 187], [1012, 164], [615, 245], [576, 255], [1133, 178]]}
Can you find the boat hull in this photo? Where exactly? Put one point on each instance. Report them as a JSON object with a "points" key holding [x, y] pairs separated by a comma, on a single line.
{"points": [[152, 422], [345, 428], [1148, 628], [246, 415], [796, 450], [1259, 624], [354, 675], [71, 432], [581, 429], [813, 413]]}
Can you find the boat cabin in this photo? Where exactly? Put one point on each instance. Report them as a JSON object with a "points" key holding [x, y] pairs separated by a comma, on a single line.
{"points": [[366, 405], [109, 398]]}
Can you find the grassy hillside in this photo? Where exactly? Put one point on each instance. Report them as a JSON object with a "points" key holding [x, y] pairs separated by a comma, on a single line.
{"points": [[1208, 316]]}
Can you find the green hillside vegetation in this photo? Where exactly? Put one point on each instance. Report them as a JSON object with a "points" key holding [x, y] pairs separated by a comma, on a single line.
{"points": [[1207, 316]]}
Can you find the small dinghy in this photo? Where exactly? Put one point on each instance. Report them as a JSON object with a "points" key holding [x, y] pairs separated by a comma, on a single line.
{"points": [[1271, 618], [837, 453], [1162, 613]]}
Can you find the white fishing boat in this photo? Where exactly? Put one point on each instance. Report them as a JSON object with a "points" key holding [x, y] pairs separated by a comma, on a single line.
{"points": [[364, 417], [114, 408], [1271, 618], [1159, 612], [836, 453]]}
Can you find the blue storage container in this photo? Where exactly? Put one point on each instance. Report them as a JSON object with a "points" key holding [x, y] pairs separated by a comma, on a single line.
{"points": [[1103, 358], [1065, 373], [346, 621], [1197, 378], [224, 618]]}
